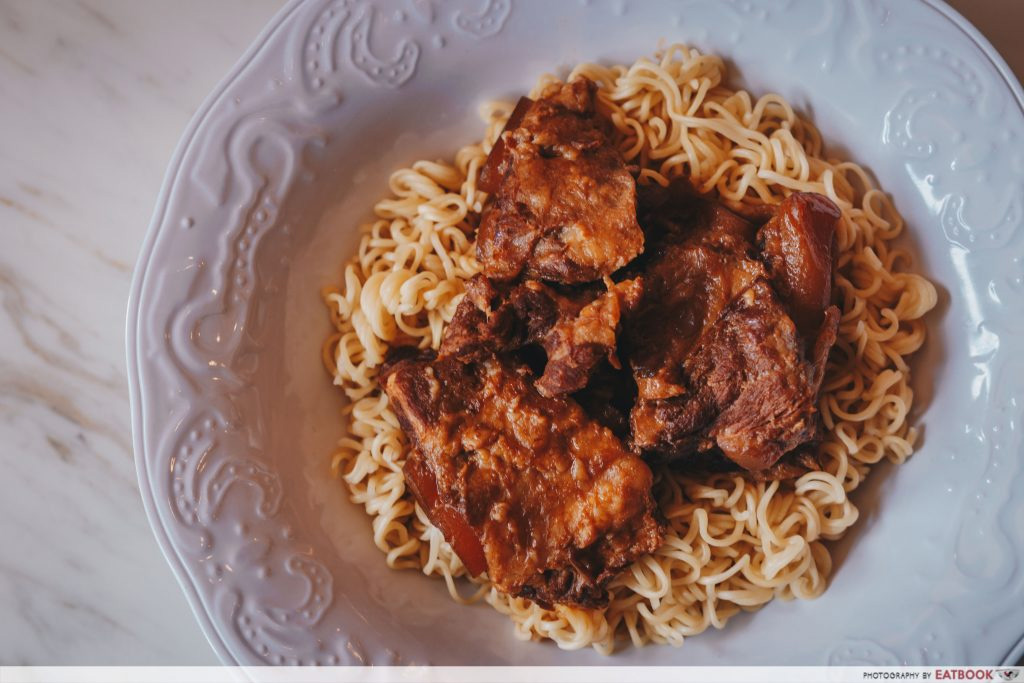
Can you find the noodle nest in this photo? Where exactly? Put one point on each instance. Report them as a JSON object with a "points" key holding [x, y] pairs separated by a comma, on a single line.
{"points": [[731, 544]]}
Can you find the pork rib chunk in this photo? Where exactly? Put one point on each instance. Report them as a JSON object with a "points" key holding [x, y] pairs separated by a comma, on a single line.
{"points": [[699, 259], [577, 328], [565, 207], [719, 363], [749, 390], [528, 488]]}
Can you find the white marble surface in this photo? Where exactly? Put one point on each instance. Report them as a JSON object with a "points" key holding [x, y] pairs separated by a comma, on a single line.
{"points": [[93, 97]]}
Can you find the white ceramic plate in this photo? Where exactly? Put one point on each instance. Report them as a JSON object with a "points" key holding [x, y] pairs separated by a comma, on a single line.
{"points": [[234, 418]]}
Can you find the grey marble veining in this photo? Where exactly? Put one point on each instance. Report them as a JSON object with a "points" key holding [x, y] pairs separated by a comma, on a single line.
{"points": [[93, 98]]}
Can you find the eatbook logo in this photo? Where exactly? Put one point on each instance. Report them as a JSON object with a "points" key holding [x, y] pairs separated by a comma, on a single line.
{"points": [[969, 674]]}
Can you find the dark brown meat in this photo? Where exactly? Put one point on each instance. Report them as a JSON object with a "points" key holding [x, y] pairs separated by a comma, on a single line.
{"points": [[484, 322], [609, 397], [698, 260], [796, 245], [577, 329], [552, 500], [496, 165], [748, 389], [577, 343], [718, 361], [792, 465], [565, 208]]}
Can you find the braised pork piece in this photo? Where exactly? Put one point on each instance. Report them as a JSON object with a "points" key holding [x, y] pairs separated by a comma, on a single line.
{"points": [[607, 329], [564, 205], [608, 397], [796, 245], [528, 488], [746, 389], [792, 465], [718, 360], [576, 329]]}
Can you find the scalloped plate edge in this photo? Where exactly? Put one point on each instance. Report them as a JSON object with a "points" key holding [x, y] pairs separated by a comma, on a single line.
{"points": [[135, 393]]}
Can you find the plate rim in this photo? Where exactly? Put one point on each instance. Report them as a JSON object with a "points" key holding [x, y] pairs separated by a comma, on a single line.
{"points": [[133, 322]]}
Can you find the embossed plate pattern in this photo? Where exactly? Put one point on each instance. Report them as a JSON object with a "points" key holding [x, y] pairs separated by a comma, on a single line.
{"points": [[234, 419]]}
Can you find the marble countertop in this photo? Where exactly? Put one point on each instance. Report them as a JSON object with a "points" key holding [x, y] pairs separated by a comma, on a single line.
{"points": [[93, 98]]}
